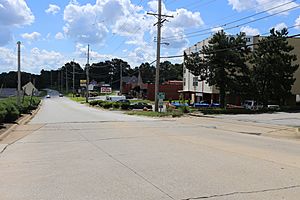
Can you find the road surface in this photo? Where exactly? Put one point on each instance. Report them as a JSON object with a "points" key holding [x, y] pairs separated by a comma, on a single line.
{"points": [[73, 152]]}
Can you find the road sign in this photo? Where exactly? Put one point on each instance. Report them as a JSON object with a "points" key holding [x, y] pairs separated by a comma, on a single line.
{"points": [[161, 95], [106, 90], [82, 83]]}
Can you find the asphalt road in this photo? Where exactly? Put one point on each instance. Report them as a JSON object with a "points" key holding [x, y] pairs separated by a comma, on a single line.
{"points": [[73, 152]]}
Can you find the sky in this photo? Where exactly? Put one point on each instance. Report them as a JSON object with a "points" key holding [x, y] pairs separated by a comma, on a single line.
{"points": [[53, 32]]}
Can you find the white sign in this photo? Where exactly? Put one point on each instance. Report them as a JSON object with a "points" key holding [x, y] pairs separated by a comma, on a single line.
{"points": [[106, 90]]}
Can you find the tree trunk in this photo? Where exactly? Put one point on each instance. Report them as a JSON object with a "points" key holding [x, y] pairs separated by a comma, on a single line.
{"points": [[222, 97]]}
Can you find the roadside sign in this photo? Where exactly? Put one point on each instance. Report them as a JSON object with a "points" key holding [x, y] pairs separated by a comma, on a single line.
{"points": [[82, 83], [161, 95], [106, 90]]}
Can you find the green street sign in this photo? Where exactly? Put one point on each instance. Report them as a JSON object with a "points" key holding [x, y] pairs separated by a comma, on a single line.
{"points": [[161, 95]]}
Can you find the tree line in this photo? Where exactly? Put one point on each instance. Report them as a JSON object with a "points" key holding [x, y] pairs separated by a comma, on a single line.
{"points": [[264, 74], [106, 71]]}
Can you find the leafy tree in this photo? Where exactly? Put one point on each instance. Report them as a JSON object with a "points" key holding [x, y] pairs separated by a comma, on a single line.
{"points": [[221, 63], [273, 68]]}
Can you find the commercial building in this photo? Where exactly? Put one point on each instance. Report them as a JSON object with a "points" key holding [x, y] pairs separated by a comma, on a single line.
{"points": [[197, 90]]}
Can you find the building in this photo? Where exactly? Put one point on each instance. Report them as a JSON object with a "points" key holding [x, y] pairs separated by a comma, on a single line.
{"points": [[197, 91]]}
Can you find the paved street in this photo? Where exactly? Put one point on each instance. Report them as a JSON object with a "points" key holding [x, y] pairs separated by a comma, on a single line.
{"points": [[74, 152]]}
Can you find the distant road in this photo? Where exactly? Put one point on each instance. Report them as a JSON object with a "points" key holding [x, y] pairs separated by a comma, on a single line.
{"points": [[74, 152]]}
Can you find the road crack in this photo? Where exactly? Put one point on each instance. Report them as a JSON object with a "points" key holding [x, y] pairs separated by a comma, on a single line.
{"points": [[244, 192]]}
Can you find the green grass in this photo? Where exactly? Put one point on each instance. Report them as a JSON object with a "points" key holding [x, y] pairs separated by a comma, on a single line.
{"points": [[77, 99], [155, 114]]}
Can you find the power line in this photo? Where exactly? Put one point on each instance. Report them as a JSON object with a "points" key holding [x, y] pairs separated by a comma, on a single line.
{"points": [[238, 20], [226, 49], [236, 26]]}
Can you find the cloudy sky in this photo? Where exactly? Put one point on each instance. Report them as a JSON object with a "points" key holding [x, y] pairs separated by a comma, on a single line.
{"points": [[54, 32]]}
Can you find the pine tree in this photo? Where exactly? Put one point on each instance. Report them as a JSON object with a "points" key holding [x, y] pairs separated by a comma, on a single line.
{"points": [[273, 68], [222, 63]]}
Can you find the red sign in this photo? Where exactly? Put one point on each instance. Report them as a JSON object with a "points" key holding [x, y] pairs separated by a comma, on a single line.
{"points": [[106, 90]]}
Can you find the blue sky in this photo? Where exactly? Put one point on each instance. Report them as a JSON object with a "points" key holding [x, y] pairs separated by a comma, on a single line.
{"points": [[54, 32]]}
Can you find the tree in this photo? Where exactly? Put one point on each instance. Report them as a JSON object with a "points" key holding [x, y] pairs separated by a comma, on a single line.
{"points": [[221, 63], [273, 68]]}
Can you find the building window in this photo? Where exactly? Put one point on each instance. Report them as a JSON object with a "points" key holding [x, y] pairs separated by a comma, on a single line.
{"points": [[195, 81], [184, 81]]}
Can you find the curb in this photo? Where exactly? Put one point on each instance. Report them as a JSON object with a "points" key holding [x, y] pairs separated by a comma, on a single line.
{"points": [[21, 121], [200, 115]]}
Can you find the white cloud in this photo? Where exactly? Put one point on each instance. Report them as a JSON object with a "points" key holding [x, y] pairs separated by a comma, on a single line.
{"points": [[7, 59], [31, 36], [13, 13], [33, 61], [297, 23], [261, 5], [59, 36], [53, 9], [280, 26], [250, 31]]}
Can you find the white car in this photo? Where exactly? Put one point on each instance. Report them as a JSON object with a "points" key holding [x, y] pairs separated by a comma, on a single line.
{"points": [[48, 96]]}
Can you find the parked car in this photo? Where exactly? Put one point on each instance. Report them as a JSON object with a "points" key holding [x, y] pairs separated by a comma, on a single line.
{"points": [[201, 104], [48, 96], [140, 105], [205, 104], [252, 105], [178, 104], [124, 101]]}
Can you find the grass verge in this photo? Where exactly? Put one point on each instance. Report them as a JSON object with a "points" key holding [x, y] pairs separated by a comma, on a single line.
{"points": [[156, 114]]}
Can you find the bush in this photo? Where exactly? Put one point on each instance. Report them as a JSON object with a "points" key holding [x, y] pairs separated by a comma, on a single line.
{"points": [[93, 103], [3, 113], [184, 109], [125, 106], [116, 105], [100, 103], [107, 105], [12, 113]]}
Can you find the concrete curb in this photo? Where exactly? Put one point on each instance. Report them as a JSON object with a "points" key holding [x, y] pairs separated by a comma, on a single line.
{"points": [[21, 121], [200, 115]]}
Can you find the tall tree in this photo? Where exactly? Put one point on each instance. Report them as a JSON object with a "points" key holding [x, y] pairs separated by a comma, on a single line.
{"points": [[273, 68], [221, 63]]}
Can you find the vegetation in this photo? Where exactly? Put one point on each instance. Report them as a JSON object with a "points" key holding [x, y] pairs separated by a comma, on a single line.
{"points": [[222, 63], [156, 114], [273, 70], [10, 111]]}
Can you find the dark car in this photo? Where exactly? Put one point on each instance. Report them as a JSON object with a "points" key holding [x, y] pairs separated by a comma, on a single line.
{"points": [[60, 95], [124, 101], [140, 105]]}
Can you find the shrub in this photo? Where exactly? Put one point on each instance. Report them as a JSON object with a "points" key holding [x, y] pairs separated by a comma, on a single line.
{"points": [[125, 106], [12, 112], [3, 113], [100, 103], [93, 103], [107, 105], [184, 109], [116, 105]]}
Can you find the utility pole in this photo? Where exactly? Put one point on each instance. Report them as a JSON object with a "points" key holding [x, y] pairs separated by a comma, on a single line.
{"points": [[19, 74], [61, 80], [67, 80], [87, 75], [51, 79], [158, 43], [121, 78], [73, 64]]}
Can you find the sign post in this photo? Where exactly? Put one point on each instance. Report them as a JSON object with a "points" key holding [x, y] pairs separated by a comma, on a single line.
{"points": [[161, 97]]}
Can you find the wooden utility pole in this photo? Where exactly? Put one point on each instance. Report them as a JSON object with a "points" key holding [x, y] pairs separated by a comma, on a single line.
{"points": [[73, 65], [87, 75], [19, 74], [158, 43]]}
